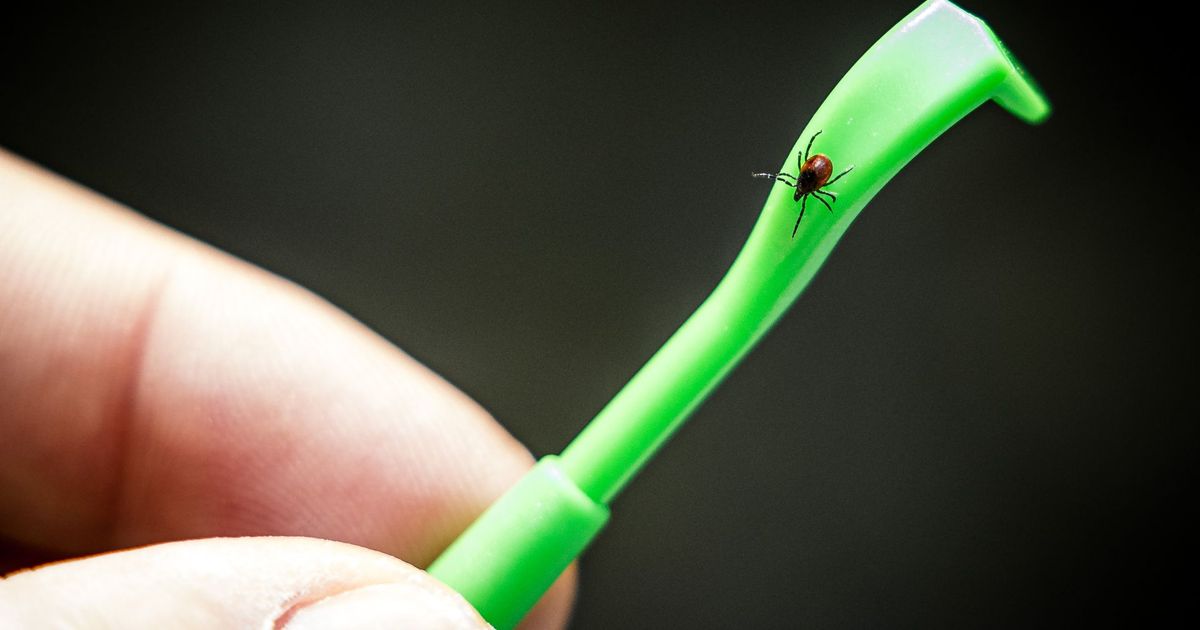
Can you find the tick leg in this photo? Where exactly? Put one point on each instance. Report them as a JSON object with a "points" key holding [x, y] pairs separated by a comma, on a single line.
{"points": [[803, 203], [810, 141], [776, 176], [839, 176], [826, 203], [829, 194]]}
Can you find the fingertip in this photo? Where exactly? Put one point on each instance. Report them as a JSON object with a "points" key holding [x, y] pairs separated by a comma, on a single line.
{"points": [[267, 582], [393, 605]]}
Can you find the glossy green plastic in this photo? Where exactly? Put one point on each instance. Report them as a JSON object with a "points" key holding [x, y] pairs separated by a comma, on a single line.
{"points": [[547, 518], [926, 73]]}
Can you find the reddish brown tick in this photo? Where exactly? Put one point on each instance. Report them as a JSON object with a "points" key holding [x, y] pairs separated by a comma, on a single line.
{"points": [[813, 178]]}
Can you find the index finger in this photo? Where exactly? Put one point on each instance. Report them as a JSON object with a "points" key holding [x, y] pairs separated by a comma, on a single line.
{"points": [[152, 389]]}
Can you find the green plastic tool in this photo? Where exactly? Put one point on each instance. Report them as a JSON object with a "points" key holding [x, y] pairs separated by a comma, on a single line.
{"points": [[926, 73]]}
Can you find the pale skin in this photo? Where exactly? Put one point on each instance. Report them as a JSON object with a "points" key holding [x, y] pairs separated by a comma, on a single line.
{"points": [[156, 391]]}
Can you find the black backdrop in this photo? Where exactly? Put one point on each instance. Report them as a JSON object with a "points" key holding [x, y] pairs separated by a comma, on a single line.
{"points": [[977, 415]]}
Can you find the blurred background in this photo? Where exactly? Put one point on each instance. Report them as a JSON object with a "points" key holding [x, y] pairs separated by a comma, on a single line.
{"points": [[981, 413]]}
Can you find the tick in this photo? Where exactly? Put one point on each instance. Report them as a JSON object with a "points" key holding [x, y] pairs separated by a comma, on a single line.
{"points": [[813, 178]]}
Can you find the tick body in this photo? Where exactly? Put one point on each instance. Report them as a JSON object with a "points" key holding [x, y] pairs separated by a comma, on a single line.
{"points": [[814, 176]]}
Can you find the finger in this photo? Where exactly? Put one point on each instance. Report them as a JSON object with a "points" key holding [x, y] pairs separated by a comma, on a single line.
{"points": [[152, 389], [156, 389], [293, 583]]}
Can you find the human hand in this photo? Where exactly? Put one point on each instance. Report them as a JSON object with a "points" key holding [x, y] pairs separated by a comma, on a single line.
{"points": [[153, 389]]}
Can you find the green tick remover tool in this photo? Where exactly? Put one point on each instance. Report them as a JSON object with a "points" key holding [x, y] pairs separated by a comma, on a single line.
{"points": [[927, 72]]}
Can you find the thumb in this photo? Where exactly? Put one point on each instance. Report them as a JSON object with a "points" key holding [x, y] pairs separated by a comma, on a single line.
{"points": [[292, 583]]}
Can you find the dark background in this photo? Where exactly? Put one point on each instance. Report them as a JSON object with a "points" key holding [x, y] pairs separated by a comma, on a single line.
{"points": [[980, 414]]}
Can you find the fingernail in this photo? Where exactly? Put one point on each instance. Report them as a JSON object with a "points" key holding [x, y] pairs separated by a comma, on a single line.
{"points": [[398, 605]]}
